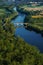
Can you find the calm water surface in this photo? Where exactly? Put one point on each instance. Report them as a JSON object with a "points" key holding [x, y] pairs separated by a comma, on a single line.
{"points": [[30, 37]]}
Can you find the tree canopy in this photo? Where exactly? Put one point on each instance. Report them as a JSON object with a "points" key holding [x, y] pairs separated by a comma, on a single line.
{"points": [[14, 50]]}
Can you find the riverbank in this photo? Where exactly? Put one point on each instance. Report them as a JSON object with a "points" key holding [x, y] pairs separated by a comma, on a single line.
{"points": [[34, 18], [12, 16], [13, 49], [7, 15], [35, 24], [26, 9]]}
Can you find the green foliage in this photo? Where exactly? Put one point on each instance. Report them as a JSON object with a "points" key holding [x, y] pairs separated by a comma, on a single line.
{"points": [[13, 50], [35, 24]]}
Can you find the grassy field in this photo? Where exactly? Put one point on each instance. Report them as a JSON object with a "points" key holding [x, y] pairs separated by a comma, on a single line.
{"points": [[34, 18], [34, 8], [2, 12], [37, 16]]}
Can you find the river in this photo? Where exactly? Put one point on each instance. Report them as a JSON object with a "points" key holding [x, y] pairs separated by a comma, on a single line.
{"points": [[30, 37]]}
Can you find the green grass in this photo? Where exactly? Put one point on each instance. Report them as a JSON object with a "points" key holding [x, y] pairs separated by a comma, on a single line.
{"points": [[2, 12]]}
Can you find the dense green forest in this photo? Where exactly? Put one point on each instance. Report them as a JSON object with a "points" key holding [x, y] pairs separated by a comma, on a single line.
{"points": [[14, 50]]}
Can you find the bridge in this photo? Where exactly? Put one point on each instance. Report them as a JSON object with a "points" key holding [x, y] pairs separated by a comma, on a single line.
{"points": [[19, 24]]}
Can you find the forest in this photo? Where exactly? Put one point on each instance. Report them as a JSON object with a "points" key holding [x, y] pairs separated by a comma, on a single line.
{"points": [[14, 50]]}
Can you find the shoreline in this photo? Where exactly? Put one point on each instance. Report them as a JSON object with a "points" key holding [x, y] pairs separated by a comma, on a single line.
{"points": [[34, 29], [30, 27]]}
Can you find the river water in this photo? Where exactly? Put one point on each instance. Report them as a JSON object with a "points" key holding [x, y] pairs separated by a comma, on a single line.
{"points": [[30, 37]]}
